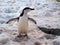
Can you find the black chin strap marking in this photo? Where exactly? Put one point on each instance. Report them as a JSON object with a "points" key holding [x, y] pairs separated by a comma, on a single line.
{"points": [[22, 14]]}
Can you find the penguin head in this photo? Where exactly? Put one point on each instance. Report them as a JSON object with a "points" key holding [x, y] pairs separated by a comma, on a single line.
{"points": [[26, 10]]}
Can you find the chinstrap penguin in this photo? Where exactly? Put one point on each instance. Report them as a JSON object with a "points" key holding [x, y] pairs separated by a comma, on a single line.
{"points": [[23, 22]]}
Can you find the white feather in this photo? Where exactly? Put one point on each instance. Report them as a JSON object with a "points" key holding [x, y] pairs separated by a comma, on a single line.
{"points": [[23, 24]]}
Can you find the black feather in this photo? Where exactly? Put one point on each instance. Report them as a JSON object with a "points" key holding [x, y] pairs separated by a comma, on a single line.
{"points": [[25, 9]]}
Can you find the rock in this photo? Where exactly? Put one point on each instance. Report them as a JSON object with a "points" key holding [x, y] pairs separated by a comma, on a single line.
{"points": [[49, 36], [3, 39], [1, 31], [37, 43], [56, 41], [58, 0], [54, 31]]}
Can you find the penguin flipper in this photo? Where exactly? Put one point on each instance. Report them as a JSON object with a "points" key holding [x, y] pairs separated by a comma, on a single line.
{"points": [[18, 19], [12, 19], [32, 20]]}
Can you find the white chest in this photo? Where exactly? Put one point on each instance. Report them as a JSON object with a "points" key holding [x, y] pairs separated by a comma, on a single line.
{"points": [[23, 24]]}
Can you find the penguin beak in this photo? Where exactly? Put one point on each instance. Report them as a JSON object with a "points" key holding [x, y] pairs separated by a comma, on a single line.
{"points": [[32, 9]]}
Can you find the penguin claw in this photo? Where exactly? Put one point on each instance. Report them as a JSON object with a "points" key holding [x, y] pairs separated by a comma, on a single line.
{"points": [[22, 36]]}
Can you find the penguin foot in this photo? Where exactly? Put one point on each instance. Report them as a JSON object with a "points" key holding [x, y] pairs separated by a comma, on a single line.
{"points": [[21, 38]]}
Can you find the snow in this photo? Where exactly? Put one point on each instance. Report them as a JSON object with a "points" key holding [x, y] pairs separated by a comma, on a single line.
{"points": [[46, 14]]}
